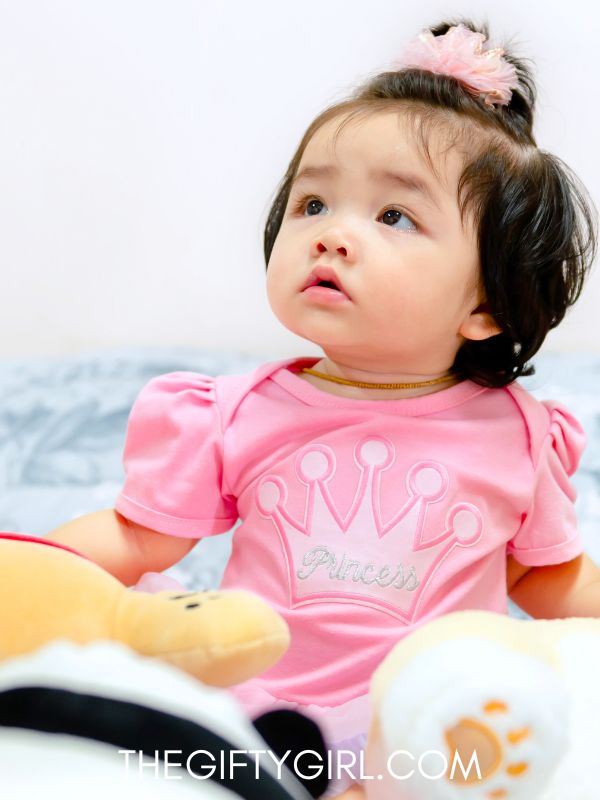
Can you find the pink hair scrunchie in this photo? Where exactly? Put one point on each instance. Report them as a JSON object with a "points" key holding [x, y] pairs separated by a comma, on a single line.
{"points": [[459, 53]]}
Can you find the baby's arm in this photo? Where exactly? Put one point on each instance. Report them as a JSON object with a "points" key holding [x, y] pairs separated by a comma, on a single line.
{"points": [[571, 589], [120, 546]]}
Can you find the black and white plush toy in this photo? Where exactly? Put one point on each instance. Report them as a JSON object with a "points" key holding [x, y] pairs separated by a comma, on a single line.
{"points": [[100, 721]]}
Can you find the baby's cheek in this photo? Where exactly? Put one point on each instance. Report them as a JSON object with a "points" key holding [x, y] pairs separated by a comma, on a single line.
{"points": [[280, 295], [276, 296], [273, 284]]}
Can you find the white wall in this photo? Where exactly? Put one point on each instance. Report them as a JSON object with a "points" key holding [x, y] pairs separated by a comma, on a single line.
{"points": [[141, 142]]}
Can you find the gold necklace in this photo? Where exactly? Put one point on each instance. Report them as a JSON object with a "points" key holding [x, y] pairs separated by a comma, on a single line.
{"points": [[363, 385]]}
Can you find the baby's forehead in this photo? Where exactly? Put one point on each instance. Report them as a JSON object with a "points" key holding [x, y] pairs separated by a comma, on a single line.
{"points": [[391, 140]]}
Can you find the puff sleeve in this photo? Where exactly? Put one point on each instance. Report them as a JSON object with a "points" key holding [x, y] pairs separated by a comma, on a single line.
{"points": [[173, 459], [548, 533]]}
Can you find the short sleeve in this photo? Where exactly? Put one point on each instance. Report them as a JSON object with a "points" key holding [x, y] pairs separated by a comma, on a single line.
{"points": [[548, 533], [173, 459]]}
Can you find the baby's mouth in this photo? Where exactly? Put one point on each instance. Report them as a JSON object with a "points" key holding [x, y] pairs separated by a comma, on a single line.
{"points": [[326, 278], [328, 285]]}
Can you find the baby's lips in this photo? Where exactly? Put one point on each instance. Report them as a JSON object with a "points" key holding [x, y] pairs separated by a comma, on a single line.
{"points": [[324, 272]]}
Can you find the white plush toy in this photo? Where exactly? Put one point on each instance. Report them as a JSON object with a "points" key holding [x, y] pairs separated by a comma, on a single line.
{"points": [[69, 714], [523, 695]]}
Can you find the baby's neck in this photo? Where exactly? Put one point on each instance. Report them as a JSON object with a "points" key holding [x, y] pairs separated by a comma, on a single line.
{"points": [[334, 369]]}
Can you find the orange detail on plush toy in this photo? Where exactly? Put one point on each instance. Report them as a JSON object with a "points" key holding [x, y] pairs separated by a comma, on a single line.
{"points": [[495, 707], [470, 735], [514, 737], [517, 769]]}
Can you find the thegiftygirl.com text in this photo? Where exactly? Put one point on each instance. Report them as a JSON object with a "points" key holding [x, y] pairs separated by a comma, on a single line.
{"points": [[401, 765]]}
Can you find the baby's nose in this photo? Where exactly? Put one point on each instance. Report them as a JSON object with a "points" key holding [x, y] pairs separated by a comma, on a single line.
{"points": [[335, 238], [341, 249]]}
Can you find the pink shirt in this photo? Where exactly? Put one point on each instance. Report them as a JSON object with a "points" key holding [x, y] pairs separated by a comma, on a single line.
{"points": [[361, 519]]}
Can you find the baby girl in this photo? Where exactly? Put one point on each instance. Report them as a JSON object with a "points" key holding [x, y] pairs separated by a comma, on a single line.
{"points": [[427, 245]]}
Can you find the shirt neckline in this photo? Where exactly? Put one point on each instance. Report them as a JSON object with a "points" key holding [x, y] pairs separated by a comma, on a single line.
{"points": [[286, 377]]}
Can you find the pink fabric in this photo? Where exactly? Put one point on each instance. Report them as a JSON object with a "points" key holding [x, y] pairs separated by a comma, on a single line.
{"points": [[460, 54], [154, 582], [25, 537], [360, 519], [347, 719]]}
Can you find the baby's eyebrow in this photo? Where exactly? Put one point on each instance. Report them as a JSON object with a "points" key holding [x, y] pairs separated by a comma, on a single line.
{"points": [[413, 183]]}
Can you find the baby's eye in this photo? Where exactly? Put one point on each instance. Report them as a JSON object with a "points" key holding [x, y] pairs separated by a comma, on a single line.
{"points": [[313, 206], [392, 215]]}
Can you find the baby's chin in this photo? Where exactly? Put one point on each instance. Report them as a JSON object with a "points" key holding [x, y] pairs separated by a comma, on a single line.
{"points": [[302, 322]]}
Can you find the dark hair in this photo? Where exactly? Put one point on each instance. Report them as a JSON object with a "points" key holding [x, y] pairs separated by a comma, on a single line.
{"points": [[535, 222]]}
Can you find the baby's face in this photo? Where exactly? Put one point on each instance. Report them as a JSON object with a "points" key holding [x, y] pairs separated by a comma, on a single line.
{"points": [[408, 269]]}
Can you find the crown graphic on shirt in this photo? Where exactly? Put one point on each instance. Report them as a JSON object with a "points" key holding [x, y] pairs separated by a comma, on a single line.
{"points": [[357, 555]]}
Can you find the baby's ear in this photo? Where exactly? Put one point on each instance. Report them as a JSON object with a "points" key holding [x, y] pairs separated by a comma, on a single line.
{"points": [[480, 324]]}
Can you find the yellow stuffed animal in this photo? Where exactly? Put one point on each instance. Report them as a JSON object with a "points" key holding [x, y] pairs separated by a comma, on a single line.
{"points": [[49, 592]]}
